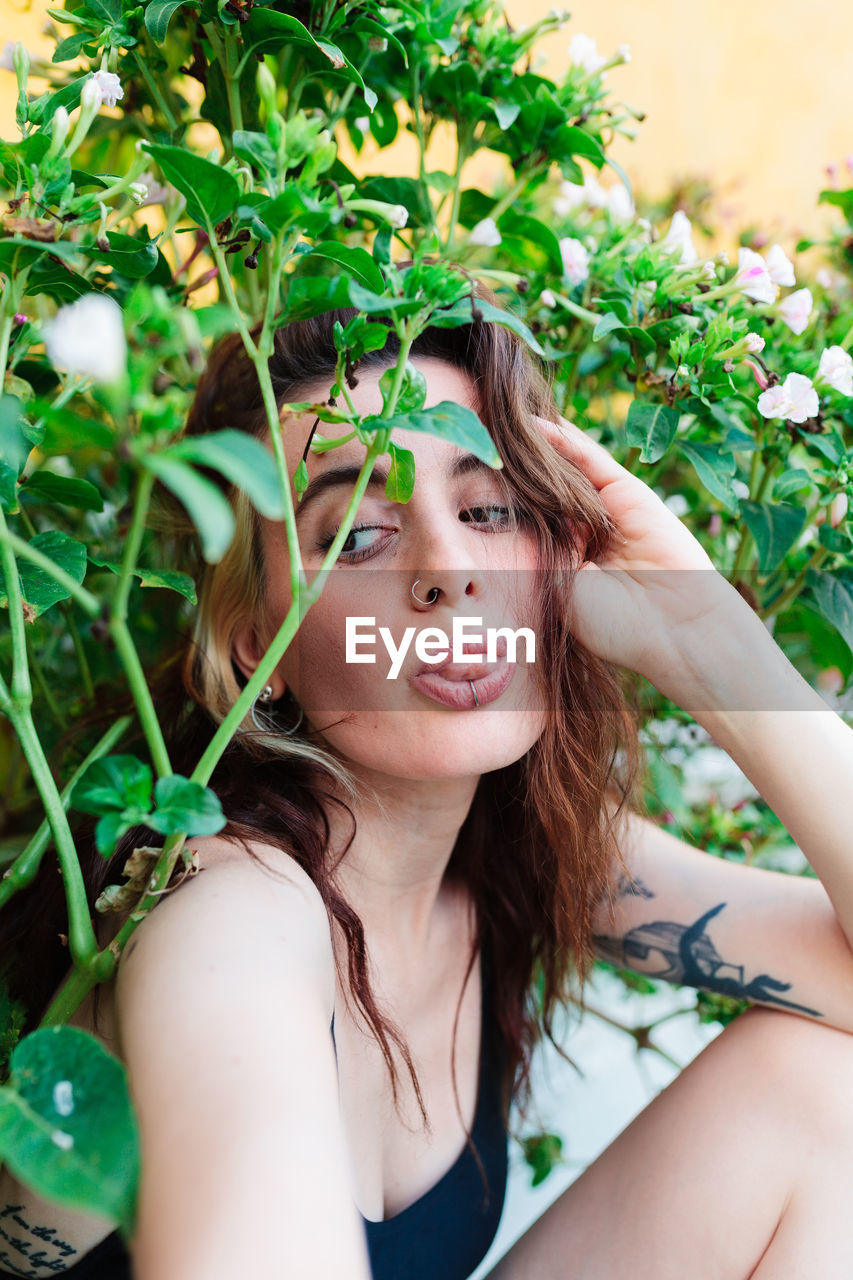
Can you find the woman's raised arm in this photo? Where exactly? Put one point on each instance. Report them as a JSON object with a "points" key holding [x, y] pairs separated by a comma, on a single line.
{"points": [[223, 1001]]}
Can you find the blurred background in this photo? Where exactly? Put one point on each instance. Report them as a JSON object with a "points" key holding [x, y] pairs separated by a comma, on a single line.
{"points": [[753, 101]]}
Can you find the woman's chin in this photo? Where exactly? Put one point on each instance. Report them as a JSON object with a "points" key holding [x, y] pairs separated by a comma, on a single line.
{"points": [[427, 745]]}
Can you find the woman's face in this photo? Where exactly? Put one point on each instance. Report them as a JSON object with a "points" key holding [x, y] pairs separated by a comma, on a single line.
{"points": [[455, 534]]}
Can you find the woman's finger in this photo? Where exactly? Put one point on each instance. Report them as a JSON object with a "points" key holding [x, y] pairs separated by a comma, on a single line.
{"points": [[592, 458]]}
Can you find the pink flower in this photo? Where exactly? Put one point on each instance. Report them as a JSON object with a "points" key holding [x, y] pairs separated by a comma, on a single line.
{"points": [[547, 299], [680, 236], [753, 279], [754, 343], [796, 309], [795, 399], [780, 268], [575, 260], [836, 370]]}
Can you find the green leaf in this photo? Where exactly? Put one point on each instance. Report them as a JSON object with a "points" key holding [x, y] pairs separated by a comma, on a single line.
{"points": [[39, 590], [211, 192], [356, 262], [207, 505], [843, 199], [651, 428], [112, 826], [536, 232], [506, 113], [14, 445], [182, 805], [714, 469], [257, 149], [454, 422], [401, 475], [171, 579], [158, 15], [606, 325], [113, 783], [67, 1125], [542, 1152], [8, 489], [460, 313], [775, 528], [242, 459], [413, 390], [68, 491], [41, 109], [791, 481], [312, 295], [832, 598]]}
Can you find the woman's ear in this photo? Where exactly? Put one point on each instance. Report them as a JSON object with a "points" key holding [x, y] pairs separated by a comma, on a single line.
{"points": [[246, 653]]}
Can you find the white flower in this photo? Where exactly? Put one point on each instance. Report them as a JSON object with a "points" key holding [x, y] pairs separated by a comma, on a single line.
{"points": [[138, 191], [485, 233], [678, 504], [398, 215], [796, 309], [155, 192], [572, 196], [753, 278], [836, 370], [780, 268], [583, 52], [619, 203], [87, 337], [623, 51], [680, 236], [547, 299], [754, 343], [794, 399], [575, 260], [838, 509], [709, 271], [102, 89], [362, 123]]}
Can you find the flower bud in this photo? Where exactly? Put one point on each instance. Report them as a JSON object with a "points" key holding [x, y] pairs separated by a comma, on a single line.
{"points": [[266, 86], [21, 63], [58, 131]]}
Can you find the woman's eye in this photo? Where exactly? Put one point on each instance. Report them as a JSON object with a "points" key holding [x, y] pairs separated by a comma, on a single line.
{"points": [[351, 551], [501, 517]]}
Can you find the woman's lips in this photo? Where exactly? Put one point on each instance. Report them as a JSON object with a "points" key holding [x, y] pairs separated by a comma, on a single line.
{"points": [[456, 683]]}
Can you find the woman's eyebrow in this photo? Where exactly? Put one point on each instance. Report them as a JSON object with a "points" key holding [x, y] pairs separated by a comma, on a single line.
{"points": [[347, 474]]}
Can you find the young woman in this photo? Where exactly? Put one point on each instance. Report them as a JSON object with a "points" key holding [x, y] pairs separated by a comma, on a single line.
{"points": [[324, 1026]]}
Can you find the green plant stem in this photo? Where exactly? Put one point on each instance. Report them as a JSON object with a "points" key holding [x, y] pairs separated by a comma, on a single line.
{"points": [[464, 139], [155, 90], [509, 197], [44, 687], [5, 336], [302, 601], [581, 313], [790, 594], [141, 694], [79, 651], [81, 936], [232, 81], [25, 866]]}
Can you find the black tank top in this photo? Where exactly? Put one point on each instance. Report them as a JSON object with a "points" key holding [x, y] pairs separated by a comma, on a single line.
{"points": [[446, 1233]]}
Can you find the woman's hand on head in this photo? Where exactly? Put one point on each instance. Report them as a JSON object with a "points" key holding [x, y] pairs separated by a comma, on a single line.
{"points": [[654, 579]]}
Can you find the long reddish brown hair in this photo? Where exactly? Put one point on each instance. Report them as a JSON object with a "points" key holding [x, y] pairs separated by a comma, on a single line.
{"points": [[538, 849]]}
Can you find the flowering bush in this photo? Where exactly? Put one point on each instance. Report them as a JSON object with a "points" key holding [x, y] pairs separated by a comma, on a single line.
{"points": [[182, 177]]}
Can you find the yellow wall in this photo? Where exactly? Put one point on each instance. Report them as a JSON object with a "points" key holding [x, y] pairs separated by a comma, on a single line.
{"points": [[757, 97]]}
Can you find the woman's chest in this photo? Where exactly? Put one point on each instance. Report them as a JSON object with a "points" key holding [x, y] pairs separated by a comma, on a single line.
{"points": [[401, 1148]]}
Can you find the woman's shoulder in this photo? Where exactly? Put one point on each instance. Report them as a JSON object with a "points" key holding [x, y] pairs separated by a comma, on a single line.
{"points": [[237, 895]]}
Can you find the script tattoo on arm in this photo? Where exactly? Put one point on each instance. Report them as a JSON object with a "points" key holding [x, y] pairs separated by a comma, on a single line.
{"points": [[28, 1251], [685, 955]]}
